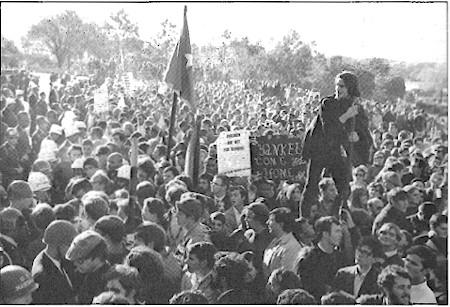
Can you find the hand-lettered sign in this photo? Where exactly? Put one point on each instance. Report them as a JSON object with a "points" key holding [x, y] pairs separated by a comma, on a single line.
{"points": [[277, 157]]}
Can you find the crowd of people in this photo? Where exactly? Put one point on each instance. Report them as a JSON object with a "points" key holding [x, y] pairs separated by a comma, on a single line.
{"points": [[98, 208]]}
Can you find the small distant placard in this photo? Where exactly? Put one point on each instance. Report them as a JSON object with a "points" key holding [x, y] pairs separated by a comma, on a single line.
{"points": [[277, 157], [233, 153]]}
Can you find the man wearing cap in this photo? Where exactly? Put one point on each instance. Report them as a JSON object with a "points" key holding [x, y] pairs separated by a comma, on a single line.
{"points": [[88, 252], [10, 163], [50, 266], [17, 286]]}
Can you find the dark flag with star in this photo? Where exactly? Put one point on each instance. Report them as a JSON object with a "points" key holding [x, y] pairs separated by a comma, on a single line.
{"points": [[179, 72], [179, 77]]}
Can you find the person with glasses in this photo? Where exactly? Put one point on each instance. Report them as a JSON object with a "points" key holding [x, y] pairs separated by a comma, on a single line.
{"points": [[361, 278], [10, 164]]}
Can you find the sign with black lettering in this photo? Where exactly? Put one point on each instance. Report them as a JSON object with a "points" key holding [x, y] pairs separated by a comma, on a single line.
{"points": [[233, 153], [277, 157]]}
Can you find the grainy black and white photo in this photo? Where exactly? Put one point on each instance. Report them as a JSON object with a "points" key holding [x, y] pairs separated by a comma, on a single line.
{"points": [[243, 153]]}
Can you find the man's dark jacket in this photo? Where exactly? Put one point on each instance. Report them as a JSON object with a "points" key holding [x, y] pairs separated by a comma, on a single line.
{"points": [[345, 279], [54, 288]]}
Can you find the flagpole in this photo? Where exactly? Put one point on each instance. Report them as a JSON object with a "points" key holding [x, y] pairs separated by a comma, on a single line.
{"points": [[172, 125]]}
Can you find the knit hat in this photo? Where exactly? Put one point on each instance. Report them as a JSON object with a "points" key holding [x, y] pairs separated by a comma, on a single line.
{"points": [[260, 210], [83, 244], [19, 189]]}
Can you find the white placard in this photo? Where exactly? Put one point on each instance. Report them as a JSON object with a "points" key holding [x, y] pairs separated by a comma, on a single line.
{"points": [[233, 153]]}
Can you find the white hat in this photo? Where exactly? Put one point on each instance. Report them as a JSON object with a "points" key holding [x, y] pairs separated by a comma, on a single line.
{"points": [[70, 131], [80, 125], [38, 182], [124, 172], [78, 163], [56, 129]]}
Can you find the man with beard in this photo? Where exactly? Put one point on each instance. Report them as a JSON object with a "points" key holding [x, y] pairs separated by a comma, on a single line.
{"points": [[88, 252], [395, 283], [50, 266]]}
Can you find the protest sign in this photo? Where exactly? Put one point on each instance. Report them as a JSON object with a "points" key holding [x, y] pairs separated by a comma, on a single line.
{"points": [[277, 157], [233, 153], [101, 100]]}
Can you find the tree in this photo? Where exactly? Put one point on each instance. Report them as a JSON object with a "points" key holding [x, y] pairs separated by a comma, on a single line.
{"points": [[11, 56], [395, 88], [63, 36], [291, 61]]}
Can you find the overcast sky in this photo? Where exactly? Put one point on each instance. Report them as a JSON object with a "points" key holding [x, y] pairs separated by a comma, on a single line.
{"points": [[411, 32]]}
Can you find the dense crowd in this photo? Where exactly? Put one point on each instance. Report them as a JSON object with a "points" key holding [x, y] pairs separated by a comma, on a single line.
{"points": [[97, 208]]}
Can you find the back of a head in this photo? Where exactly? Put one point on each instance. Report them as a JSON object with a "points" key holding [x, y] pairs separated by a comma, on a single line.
{"points": [[148, 263], [95, 206], [338, 298], [191, 207], [43, 215], [111, 226], [151, 233], [295, 297], [189, 297]]}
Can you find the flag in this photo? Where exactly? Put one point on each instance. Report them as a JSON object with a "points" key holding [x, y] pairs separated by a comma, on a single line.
{"points": [[179, 72]]}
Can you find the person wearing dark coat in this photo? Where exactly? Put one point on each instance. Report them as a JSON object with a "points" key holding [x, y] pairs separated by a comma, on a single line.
{"points": [[361, 278], [336, 138], [49, 266]]}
